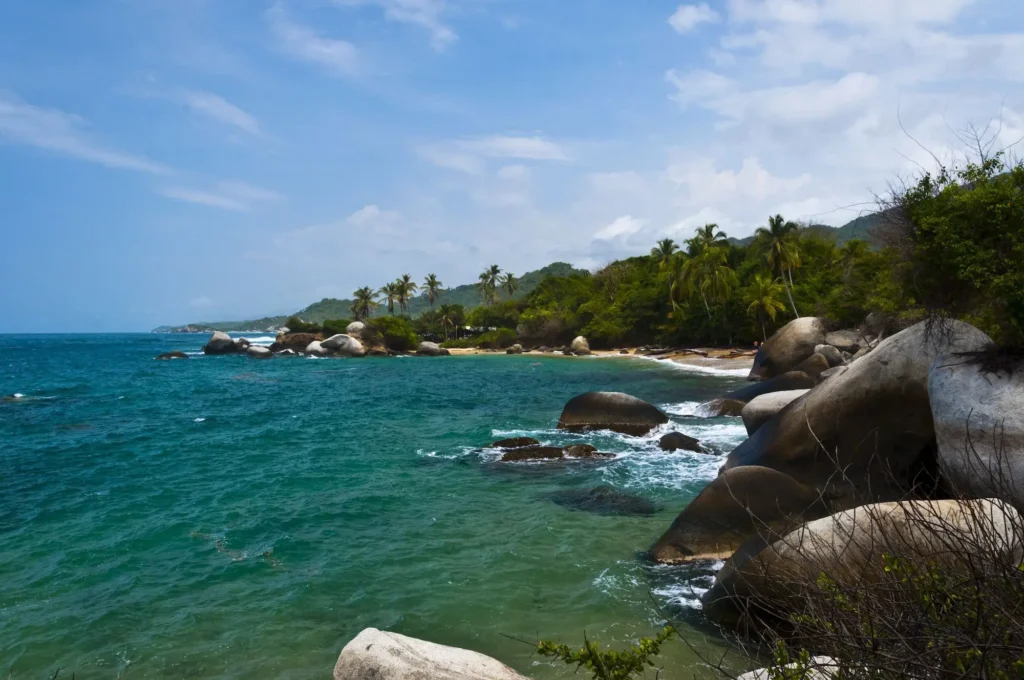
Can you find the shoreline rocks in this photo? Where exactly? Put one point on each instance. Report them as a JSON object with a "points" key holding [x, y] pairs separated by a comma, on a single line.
{"points": [[677, 441], [171, 355], [761, 409], [220, 343], [580, 347], [788, 348], [613, 411], [343, 345]]}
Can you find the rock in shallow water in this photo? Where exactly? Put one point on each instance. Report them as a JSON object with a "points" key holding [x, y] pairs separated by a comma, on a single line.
{"points": [[604, 500], [675, 441], [533, 453], [514, 443], [610, 411], [220, 343], [172, 355]]}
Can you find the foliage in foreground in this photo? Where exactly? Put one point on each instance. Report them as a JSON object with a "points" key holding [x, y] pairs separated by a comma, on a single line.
{"points": [[608, 664], [499, 339]]}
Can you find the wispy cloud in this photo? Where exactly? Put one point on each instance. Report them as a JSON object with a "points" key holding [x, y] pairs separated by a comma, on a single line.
{"points": [[688, 17], [338, 56], [219, 109], [467, 155], [627, 225], [63, 133], [236, 196], [423, 13]]}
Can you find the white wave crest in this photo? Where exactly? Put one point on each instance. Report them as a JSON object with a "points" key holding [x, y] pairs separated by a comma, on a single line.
{"points": [[725, 368], [261, 340], [688, 592]]}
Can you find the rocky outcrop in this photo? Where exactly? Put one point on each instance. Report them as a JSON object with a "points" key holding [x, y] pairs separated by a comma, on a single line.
{"points": [[791, 344], [580, 347], [514, 443], [286, 353], [760, 587], [677, 441], [831, 354], [533, 453], [979, 426], [379, 655], [723, 407], [737, 505], [514, 349], [297, 342], [610, 411], [794, 380], [258, 352], [586, 451], [343, 345], [868, 429], [845, 341], [172, 355], [814, 366], [220, 343], [761, 409], [355, 329], [315, 349], [429, 349]]}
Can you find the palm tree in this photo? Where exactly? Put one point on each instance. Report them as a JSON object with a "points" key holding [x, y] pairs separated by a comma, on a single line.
{"points": [[363, 304], [708, 236], [488, 284], [763, 298], [389, 295], [782, 250], [406, 288], [663, 252], [451, 315], [707, 273], [510, 283], [432, 287]]}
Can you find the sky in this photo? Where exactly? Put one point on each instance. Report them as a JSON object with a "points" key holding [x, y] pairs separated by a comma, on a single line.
{"points": [[171, 161]]}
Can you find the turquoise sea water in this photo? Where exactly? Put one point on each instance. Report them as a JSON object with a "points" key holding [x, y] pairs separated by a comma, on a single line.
{"points": [[221, 517]]}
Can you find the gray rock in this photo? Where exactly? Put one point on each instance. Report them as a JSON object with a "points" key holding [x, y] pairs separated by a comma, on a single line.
{"points": [[863, 351], [833, 355], [610, 411], [763, 408], [979, 427], [429, 349], [316, 349], [723, 407], [580, 347], [514, 349], [838, 370], [794, 380], [379, 655], [676, 441], [845, 341], [220, 343], [788, 347], [344, 345], [355, 329], [172, 355], [258, 352]]}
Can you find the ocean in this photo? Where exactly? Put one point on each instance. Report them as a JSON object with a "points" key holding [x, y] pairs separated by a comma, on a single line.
{"points": [[222, 517]]}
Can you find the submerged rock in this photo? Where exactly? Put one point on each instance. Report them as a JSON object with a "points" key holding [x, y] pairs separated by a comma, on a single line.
{"points": [[614, 411], [514, 443], [172, 355], [379, 655], [788, 347], [604, 500], [533, 453], [586, 451], [676, 441]]}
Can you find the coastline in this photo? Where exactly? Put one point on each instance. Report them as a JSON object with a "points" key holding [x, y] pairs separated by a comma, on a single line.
{"points": [[711, 359]]}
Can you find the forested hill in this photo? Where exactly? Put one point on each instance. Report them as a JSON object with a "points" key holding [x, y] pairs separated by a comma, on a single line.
{"points": [[859, 228], [332, 308]]}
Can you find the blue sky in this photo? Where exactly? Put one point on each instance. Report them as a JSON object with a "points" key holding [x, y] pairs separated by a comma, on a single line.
{"points": [[166, 161]]}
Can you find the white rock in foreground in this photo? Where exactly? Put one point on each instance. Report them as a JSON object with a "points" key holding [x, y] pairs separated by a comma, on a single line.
{"points": [[344, 345], [379, 655], [580, 346], [761, 409]]}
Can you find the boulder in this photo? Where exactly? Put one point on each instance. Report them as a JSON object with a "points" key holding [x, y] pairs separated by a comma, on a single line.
{"points": [[514, 349], [514, 443], [220, 343], [297, 342], [790, 345], [845, 341], [737, 505], [863, 351], [258, 352], [761, 409], [355, 329], [379, 655], [533, 453], [872, 422], [580, 347], [604, 500], [623, 351], [344, 345], [586, 451], [814, 366], [762, 584], [794, 380], [172, 355], [429, 349], [833, 355], [316, 349], [723, 407], [676, 441], [817, 668], [825, 375], [610, 411], [979, 426]]}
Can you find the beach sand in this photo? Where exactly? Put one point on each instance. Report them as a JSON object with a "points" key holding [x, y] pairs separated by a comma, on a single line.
{"points": [[715, 358]]}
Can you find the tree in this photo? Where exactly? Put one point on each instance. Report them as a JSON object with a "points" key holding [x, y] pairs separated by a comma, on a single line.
{"points": [[364, 303], [432, 287], [405, 288], [452, 316], [708, 236], [762, 297], [780, 242], [663, 252], [707, 272], [510, 283], [389, 295], [488, 284]]}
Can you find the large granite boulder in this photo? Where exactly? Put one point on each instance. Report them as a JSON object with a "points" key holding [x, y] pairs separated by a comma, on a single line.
{"points": [[814, 366], [610, 411], [846, 341], [761, 409], [316, 349], [220, 343], [514, 349], [429, 349], [355, 329], [791, 344], [297, 342], [677, 441], [344, 345], [723, 407], [832, 354], [380, 655], [763, 585], [979, 426], [868, 429], [794, 380], [258, 352], [737, 505], [580, 347]]}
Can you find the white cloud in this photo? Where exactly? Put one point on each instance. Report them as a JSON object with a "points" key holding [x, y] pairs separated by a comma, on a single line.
{"points": [[338, 56], [63, 133], [530, 148], [850, 12], [236, 196], [627, 225], [444, 156], [222, 111], [688, 17], [423, 13], [709, 185]]}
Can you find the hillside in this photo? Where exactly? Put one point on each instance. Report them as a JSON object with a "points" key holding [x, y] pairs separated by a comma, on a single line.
{"points": [[859, 228], [333, 308]]}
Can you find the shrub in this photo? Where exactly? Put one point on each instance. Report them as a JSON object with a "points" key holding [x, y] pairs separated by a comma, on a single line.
{"points": [[335, 326], [499, 339], [608, 664], [297, 325], [397, 333]]}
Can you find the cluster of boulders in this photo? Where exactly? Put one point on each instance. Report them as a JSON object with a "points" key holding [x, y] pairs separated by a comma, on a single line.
{"points": [[356, 341], [850, 433]]}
